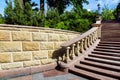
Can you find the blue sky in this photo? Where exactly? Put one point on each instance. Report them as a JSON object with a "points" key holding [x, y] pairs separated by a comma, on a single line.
{"points": [[91, 6]]}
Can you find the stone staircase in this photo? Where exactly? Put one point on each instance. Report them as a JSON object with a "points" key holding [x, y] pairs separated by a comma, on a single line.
{"points": [[102, 64]]}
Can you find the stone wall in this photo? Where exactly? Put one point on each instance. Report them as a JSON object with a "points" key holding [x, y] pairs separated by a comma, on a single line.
{"points": [[25, 46]]}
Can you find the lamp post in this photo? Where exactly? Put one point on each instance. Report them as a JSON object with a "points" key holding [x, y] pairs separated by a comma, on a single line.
{"points": [[99, 9]]}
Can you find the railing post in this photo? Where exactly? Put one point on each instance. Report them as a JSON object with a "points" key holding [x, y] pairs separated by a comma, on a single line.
{"points": [[68, 55], [82, 46], [85, 43], [88, 41], [78, 48], [73, 51]]}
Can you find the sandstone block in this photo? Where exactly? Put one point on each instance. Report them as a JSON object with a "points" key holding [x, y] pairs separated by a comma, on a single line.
{"points": [[4, 35], [47, 61], [63, 37], [71, 37], [53, 37], [5, 57], [21, 36], [25, 56], [10, 46], [30, 46], [11, 65], [46, 45], [30, 30], [9, 28], [40, 55], [39, 36], [50, 53], [57, 45], [31, 63]]}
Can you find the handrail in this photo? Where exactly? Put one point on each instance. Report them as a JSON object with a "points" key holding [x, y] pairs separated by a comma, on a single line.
{"points": [[68, 43], [78, 45]]}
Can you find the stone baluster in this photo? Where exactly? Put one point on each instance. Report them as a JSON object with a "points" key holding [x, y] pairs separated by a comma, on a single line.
{"points": [[82, 46], [85, 43], [78, 48], [96, 34], [68, 55], [93, 37], [73, 51], [88, 41]]}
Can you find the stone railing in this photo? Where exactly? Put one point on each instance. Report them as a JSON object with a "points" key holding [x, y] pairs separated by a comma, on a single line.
{"points": [[77, 48], [78, 45]]}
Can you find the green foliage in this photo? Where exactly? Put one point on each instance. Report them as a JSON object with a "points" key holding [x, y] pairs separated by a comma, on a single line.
{"points": [[22, 16], [52, 18], [76, 20], [9, 13], [1, 19], [107, 14]]}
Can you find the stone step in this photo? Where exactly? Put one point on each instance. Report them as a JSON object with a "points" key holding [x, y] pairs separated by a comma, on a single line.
{"points": [[100, 71], [117, 63], [106, 42], [107, 50], [108, 47], [89, 75], [106, 53], [105, 57], [101, 65]]}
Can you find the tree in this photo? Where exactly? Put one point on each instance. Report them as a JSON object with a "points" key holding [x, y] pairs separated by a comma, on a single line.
{"points": [[18, 15], [1, 19], [42, 6], [59, 5], [107, 14], [9, 13]]}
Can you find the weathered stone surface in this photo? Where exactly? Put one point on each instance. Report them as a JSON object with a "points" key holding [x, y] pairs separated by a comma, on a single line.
{"points": [[31, 63], [9, 28], [37, 36], [47, 45], [30, 46], [71, 37], [53, 37], [40, 55], [10, 46], [56, 45], [50, 53], [0, 67], [63, 37], [25, 56], [30, 30], [7, 66], [47, 61], [21, 36], [4, 35], [5, 57]]}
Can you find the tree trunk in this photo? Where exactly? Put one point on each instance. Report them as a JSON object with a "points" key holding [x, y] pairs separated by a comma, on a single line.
{"points": [[42, 5]]}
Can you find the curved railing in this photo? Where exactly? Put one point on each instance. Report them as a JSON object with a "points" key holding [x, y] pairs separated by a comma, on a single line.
{"points": [[79, 45]]}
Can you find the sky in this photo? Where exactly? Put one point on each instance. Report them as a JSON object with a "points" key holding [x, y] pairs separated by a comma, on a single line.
{"points": [[91, 6]]}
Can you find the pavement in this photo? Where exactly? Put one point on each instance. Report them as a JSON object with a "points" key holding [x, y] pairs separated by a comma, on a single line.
{"points": [[47, 75]]}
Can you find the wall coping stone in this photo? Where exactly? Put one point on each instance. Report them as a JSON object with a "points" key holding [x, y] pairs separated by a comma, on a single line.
{"points": [[36, 27]]}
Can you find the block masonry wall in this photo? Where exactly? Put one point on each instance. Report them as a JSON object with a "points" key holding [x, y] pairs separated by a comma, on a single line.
{"points": [[25, 46]]}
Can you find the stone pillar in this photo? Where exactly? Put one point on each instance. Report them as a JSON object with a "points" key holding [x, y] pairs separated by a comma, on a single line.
{"points": [[99, 25]]}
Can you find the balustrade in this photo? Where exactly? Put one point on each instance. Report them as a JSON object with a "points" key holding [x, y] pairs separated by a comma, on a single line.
{"points": [[79, 45]]}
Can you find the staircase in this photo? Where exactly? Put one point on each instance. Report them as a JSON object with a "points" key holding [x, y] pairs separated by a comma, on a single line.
{"points": [[103, 63]]}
